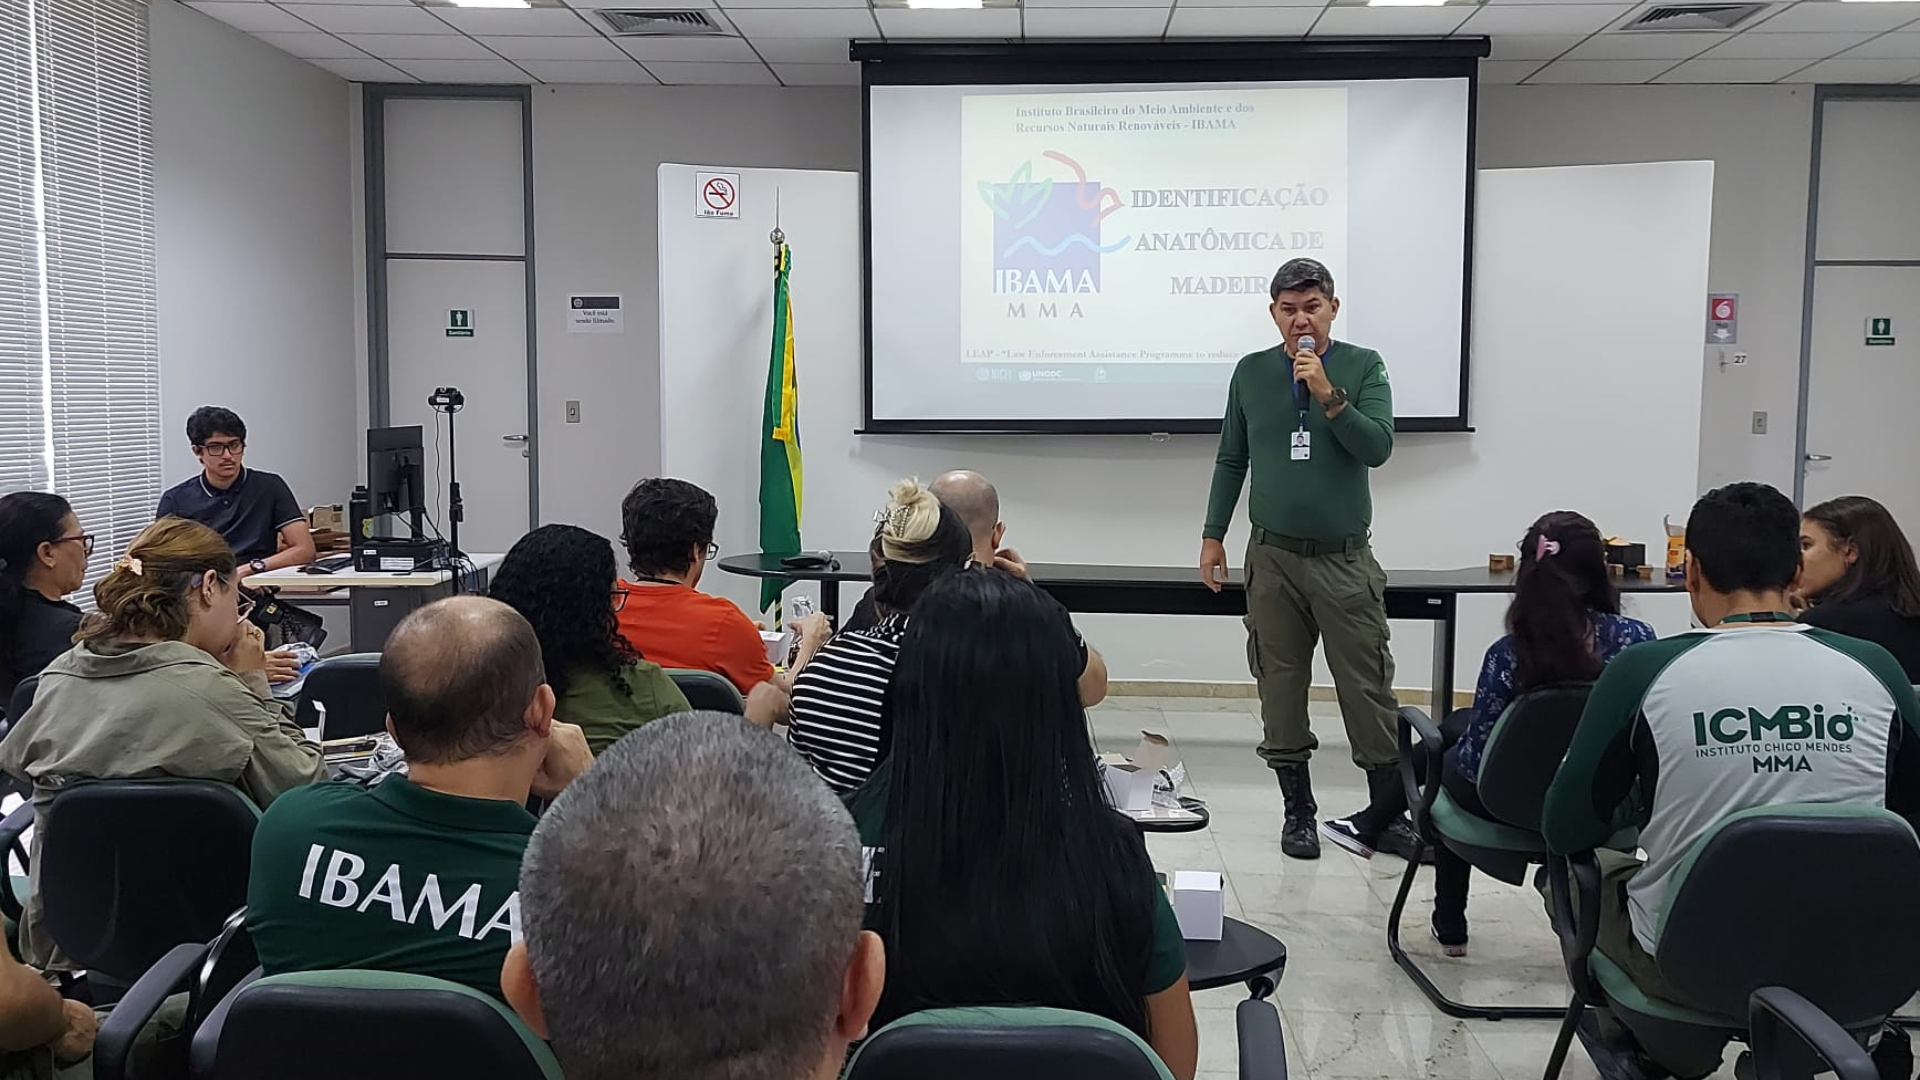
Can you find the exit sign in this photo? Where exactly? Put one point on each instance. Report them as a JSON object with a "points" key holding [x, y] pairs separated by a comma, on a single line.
{"points": [[459, 322], [1880, 330]]}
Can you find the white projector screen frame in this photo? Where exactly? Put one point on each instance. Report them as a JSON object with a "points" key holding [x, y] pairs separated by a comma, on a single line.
{"points": [[1194, 64]]}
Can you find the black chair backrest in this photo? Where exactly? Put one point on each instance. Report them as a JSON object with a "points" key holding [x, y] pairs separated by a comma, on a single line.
{"points": [[1818, 899], [349, 686], [1525, 750], [1005, 1043], [369, 1025], [130, 868], [705, 690], [22, 698]]}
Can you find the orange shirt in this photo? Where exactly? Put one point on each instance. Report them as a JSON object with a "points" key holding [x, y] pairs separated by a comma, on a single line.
{"points": [[679, 627]]}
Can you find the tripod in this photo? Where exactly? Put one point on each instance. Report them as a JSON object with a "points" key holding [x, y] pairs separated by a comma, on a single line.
{"points": [[449, 400]]}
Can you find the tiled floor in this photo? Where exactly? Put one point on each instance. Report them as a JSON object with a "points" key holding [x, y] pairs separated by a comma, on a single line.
{"points": [[1348, 1012]]}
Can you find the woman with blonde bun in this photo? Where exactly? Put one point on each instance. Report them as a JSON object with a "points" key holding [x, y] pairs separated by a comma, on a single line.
{"points": [[165, 679], [839, 721]]}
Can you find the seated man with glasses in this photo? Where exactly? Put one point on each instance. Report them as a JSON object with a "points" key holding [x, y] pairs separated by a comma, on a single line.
{"points": [[255, 511], [667, 527]]}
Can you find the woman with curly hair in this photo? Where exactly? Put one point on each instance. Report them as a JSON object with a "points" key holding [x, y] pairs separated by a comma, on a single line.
{"points": [[560, 578]]}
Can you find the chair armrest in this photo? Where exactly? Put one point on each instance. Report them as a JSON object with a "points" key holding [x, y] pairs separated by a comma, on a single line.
{"points": [[1817, 1043], [171, 975], [1263, 1051], [1416, 724], [203, 1049], [1577, 931], [12, 829]]}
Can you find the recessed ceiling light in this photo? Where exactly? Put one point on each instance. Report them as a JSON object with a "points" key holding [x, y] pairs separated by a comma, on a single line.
{"points": [[946, 5], [1407, 3], [491, 3], [1878, 1]]}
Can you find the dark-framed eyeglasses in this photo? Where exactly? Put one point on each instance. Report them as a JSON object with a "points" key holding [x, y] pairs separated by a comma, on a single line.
{"points": [[85, 541], [224, 448], [713, 551], [620, 598]]}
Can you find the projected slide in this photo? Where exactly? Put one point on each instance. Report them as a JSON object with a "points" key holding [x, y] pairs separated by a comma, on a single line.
{"points": [[1133, 228], [1045, 255]]}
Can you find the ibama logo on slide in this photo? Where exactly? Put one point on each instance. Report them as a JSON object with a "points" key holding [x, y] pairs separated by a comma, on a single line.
{"points": [[1046, 233]]}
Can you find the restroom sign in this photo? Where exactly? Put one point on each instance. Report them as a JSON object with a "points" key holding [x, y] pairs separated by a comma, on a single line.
{"points": [[459, 322], [1880, 330], [716, 195]]}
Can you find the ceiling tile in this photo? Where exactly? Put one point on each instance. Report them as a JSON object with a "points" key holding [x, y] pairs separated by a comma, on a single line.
{"points": [[1542, 18], [678, 73], [251, 17], [813, 50], [1599, 71], [1900, 46], [818, 74], [1067, 5], [1760, 45], [312, 46], [364, 70], [1645, 46], [554, 48], [359, 3], [1241, 22], [463, 71], [1859, 71], [533, 22], [792, 5], [1831, 15], [1506, 72], [369, 19], [419, 46], [589, 71], [1389, 21], [814, 23], [1315, 4], [1532, 46], [689, 48], [1732, 71], [590, 5], [1133, 22], [987, 23]]}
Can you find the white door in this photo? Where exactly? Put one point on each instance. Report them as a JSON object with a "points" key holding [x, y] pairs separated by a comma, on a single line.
{"points": [[454, 187], [489, 368], [1861, 437]]}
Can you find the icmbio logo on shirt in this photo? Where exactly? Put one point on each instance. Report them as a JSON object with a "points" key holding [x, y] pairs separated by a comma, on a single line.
{"points": [[1727, 727]]}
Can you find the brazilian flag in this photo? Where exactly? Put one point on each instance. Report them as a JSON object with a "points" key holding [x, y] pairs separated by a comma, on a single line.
{"points": [[780, 483]]}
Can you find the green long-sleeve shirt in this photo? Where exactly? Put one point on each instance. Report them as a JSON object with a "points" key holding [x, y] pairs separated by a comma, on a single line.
{"points": [[1324, 497]]}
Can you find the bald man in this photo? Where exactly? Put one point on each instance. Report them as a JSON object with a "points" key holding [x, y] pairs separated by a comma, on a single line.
{"points": [[420, 874], [975, 501]]}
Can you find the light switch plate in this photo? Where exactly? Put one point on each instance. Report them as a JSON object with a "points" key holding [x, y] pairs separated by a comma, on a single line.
{"points": [[573, 412], [1759, 422]]}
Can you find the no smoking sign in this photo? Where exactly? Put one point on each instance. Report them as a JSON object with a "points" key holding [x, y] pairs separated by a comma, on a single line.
{"points": [[716, 195]]}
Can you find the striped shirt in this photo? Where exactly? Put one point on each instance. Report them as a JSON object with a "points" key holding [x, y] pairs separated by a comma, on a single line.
{"points": [[840, 722]]}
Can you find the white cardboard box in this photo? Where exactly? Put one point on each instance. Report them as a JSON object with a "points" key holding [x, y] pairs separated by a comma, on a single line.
{"points": [[1199, 904], [779, 643], [1130, 780]]}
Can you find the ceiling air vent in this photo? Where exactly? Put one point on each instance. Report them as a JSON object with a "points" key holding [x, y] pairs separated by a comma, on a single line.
{"points": [[1694, 17], [623, 22]]}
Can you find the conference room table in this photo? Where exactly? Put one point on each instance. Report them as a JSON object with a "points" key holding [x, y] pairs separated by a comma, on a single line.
{"points": [[1430, 596]]}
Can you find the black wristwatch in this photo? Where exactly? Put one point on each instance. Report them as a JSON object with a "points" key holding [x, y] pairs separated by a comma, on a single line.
{"points": [[259, 566], [1338, 399]]}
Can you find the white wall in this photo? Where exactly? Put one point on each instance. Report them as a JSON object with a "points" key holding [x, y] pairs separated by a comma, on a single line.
{"points": [[1759, 138], [1442, 501], [252, 237], [595, 153]]}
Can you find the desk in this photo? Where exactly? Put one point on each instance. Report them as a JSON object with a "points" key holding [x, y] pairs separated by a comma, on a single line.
{"points": [[1415, 595], [375, 602], [1244, 953]]}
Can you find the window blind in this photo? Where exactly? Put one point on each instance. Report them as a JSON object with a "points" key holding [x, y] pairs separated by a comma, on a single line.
{"points": [[90, 381]]}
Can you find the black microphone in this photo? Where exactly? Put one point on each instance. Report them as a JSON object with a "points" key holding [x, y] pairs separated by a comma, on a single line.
{"points": [[1300, 393]]}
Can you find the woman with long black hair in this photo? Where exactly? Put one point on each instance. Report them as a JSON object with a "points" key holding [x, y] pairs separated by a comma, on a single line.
{"points": [[561, 578], [1857, 570], [1004, 877], [1563, 625], [43, 557]]}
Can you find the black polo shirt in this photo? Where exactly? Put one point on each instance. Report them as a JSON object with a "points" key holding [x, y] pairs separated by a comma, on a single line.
{"points": [[250, 514]]}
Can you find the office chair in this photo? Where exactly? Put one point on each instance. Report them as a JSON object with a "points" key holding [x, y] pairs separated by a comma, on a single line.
{"points": [[206, 974], [1522, 753], [707, 691], [1029, 1043], [348, 689], [128, 869], [19, 702], [1815, 898], [1794, 1040], [373, 1025]]}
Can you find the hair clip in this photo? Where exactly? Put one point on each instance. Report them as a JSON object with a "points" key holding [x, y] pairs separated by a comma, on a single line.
{"points": [[130, 562], [893, 522], [1544, 547]]}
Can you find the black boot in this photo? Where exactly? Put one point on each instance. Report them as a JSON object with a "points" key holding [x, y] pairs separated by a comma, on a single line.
{"points": [[1299, 839]]}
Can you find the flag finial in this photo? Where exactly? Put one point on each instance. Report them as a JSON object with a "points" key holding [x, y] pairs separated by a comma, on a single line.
{"points": [[776, 236]]}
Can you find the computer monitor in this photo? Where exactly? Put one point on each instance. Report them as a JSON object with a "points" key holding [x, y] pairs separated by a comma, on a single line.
{"points": [[396, 459]]}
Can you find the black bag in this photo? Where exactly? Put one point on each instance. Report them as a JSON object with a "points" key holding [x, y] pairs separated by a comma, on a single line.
{"points": [[282, 623]]}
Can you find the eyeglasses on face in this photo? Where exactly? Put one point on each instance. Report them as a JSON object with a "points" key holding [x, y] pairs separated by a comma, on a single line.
{"points": [[620, 598], [713, 551], [222, 448], [85, 540], [244, 608]]}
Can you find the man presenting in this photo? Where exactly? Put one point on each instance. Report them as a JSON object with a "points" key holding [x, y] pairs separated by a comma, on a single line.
{"points": [[1311, 416]]}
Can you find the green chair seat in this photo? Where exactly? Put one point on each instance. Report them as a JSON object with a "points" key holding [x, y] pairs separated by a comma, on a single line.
{"points": [[947, 1034], [1627, 995], [1472, 830]]}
